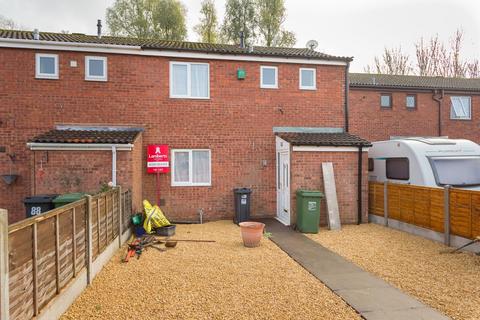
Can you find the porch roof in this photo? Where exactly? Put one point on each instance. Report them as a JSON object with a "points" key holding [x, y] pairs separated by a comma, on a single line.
{"points": [[343, 139], [125, 136]]}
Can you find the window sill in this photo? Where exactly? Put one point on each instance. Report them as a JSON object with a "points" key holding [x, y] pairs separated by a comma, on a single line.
{"points": [[96, 79], [190, 98], [46, 77], [308, 88], [460, 119], [191, 185], [263, 87]]}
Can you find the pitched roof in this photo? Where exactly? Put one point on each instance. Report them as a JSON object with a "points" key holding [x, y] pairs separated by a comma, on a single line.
{"points": [[87, 136], [367, 80], [155, 44], [323, 139]]}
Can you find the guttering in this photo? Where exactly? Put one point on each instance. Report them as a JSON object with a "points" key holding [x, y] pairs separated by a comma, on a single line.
{"points": [[439, 98], [138, 50], [359, 187], [78, 146], [347, 87]]}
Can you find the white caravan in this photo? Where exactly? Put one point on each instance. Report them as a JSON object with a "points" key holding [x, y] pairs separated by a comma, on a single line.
{"points": [[431, 162]]}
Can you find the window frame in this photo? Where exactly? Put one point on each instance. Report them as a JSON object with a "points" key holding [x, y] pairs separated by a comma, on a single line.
{"points": [[40, 75], [371, 165], [397, 158], [451, 108], [89, 77], [190, 183], [414, 101], [391, 100], [314, 87], [268, 86], [189, 83]]}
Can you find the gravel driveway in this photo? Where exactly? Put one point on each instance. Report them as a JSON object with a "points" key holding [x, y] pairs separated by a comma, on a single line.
{"points": [[221, 280], [449, 283]]}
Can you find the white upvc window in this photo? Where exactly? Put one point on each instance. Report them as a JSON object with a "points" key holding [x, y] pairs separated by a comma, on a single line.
{"points": [[268, 77], [191, 167], [308, 79], [189, 80], [46, 66], [461, 108], [95, 68]]}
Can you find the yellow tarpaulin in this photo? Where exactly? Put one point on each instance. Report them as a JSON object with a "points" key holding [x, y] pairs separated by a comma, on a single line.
{"points": [[154, 217]]}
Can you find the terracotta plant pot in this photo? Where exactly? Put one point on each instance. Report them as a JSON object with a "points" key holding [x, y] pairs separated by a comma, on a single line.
{"points": [[251, 233]]}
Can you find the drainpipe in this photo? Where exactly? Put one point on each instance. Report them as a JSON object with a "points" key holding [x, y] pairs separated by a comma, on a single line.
{"points": [[360, 172], [347, 88], [438, 96], [114, 166]]}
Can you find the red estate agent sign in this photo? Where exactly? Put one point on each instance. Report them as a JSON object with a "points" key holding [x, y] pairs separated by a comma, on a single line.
{"points": [[157, 158]]}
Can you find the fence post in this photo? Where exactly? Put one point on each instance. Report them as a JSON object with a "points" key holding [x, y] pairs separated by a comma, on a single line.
{"points": [[4, 281], [88, 229], [446, 215], [119, 206], [385, 203]]}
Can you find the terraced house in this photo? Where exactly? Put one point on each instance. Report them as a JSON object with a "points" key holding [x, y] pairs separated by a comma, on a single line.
{"points": [[386, 106], [78, 111]]}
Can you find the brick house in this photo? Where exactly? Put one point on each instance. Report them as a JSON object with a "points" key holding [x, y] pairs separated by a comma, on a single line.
{"points": [[384, 106], [78, 111]]}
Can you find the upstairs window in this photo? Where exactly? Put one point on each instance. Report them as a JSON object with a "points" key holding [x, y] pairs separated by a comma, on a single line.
{"points": [[386, 100], [191, 167], [95, 68], [461, 108], [308, 79], [46, 66], [189, 80], [268, 77], [411, 101]]}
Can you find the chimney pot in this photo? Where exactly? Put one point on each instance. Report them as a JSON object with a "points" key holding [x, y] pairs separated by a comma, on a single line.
{"points": [[242, 39], [99, 28], [36, 34]]}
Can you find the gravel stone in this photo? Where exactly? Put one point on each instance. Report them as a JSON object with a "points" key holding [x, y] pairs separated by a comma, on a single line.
{"points": [[221, 280], [449, 283]]}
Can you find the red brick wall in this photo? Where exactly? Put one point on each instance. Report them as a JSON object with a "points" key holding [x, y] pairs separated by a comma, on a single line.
{"points": [[370, 121], [236, 123], [306, 173]]}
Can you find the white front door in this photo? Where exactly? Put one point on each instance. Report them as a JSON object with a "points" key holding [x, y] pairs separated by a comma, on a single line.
{"points": [[283, 187]]}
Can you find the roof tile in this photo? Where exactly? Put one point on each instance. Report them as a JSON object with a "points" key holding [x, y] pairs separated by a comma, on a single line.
{"points": [[323, 139], [367, 80], [154, 44], [87, 136]]}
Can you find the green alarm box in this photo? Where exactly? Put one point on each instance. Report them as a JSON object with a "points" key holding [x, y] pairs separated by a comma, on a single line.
{"points": [[241, 74]]}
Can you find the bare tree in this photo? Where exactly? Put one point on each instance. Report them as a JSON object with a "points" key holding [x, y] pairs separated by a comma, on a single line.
{"points": [[6, 23], [433, 58], [392, 61]]}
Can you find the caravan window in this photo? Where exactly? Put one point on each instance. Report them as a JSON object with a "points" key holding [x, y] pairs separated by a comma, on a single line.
{"points": [[398, 168], [456, 171]]}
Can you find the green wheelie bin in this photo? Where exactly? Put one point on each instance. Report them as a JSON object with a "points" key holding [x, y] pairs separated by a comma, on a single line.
{"points": [[308, 210]]}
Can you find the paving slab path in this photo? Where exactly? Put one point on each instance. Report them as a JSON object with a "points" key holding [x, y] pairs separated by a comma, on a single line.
{"points": [[370, 296]]}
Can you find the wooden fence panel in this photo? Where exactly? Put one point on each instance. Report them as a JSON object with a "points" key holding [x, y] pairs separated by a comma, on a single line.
{"points": [[475, 215], [95, 228], [421, 207], [406, 201], [20, 274], [46, 261], [375, 198], [437, 210], [461, 212], [393, 192], [46, 252]]}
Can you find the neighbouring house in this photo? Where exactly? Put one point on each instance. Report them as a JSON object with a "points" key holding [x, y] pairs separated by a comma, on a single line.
{"points": [[78, 111], [384, 106]]}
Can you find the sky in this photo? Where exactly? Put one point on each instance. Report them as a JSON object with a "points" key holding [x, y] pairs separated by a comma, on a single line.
{"points": [[358, 28]]}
